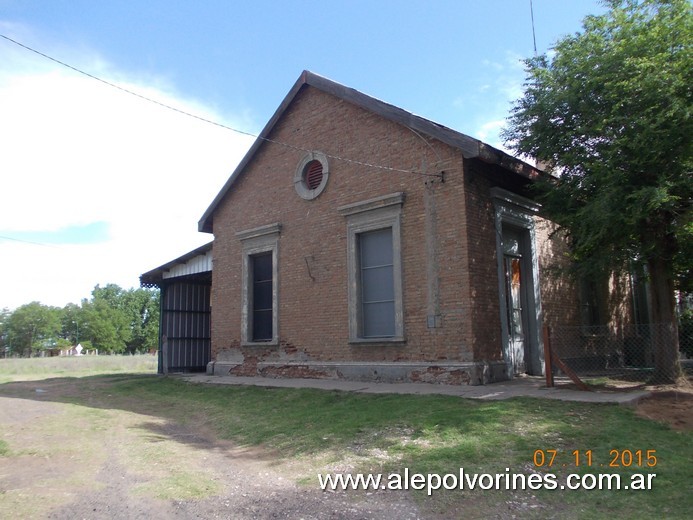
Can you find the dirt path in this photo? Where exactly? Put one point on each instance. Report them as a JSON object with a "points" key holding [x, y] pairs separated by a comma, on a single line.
{"points": [[72, 461], [77, 452]]}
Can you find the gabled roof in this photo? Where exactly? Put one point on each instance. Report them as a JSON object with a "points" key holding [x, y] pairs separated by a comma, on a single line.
{"points": [[196, 262], [471, 148]]}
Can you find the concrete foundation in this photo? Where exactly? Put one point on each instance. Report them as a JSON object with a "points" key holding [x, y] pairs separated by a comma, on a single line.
{"points": [[471, 373]]}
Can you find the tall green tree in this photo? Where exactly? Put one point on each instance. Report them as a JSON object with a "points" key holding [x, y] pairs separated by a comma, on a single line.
{"points": [[117, 320], [107, 325], [4, 334], [610, 110], [73, 323], [114, 321], [32, 328], [142, 308]]}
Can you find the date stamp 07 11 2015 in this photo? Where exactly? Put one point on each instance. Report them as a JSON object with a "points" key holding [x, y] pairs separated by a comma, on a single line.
{"points": [[627, 458]]}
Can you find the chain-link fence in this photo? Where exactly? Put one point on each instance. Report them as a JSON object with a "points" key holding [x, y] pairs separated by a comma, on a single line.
{"points": [[626, 352]]}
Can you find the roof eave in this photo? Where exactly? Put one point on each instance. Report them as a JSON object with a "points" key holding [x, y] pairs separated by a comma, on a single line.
{"points": [[155, 276], [489, 154], [470, 147], [206, 223]]}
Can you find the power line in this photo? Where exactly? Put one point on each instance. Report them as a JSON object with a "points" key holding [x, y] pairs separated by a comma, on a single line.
{"points": [[215, 123], [123, 89], [2, 237], [534, 37]]}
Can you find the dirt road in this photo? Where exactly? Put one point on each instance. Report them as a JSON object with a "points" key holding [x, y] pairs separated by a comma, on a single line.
{"points": [[75, 448], [70, 461]]}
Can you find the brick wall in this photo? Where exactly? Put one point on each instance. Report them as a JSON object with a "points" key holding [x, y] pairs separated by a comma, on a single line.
{"points": [[559, 292], [449, 263], [482, 263], [312, 245]]}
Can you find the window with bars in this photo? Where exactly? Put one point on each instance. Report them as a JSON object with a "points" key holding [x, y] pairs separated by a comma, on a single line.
{"points": [[377, 295], [260, 287], [374, 265], [261, 266]]}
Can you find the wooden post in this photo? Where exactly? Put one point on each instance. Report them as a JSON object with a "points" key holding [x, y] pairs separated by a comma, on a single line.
{"points": [[548, 365], [550, 357], [570, 373]]}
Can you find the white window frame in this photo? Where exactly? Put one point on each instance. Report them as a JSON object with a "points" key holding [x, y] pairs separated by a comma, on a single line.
{"points": [[372, 215], [254, 242]]}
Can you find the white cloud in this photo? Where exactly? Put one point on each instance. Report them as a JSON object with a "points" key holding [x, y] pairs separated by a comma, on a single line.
{"points": [[76, 151], [489, 132], [492, 65], [494, 92]]}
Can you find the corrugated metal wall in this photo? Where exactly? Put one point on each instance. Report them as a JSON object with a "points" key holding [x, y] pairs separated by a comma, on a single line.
{"points": [[185, 326], [198, 264]]}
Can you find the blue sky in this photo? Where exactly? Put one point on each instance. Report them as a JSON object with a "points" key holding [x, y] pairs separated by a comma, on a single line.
{"points": [[92, 179]]}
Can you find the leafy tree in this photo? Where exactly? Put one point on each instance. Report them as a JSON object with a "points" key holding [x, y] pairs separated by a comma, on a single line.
{"points": [[112, 294], [114, 320], [107, 325], [610, 111], [118, 320], [73, 322], [4, 339], [33, 327], [142, 309], [102, 324]]}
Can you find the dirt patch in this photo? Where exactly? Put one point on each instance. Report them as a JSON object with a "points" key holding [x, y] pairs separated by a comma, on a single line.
{"points": [[670, 404], [76, 451], [79, 449], [673, 407]]}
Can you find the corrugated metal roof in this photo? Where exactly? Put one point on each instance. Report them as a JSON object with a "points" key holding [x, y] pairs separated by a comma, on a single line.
{"points": [[198, 261]]}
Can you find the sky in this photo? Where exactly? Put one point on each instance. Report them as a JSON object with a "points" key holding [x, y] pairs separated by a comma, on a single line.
{"points": [[98, 186]]}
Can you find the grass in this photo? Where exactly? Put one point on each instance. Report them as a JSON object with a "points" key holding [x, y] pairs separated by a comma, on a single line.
{"points": [[18, 369], [440, 434], [180, 485], [328, 431]]}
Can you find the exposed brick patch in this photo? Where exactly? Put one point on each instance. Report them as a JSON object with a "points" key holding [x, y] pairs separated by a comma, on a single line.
{"points": [[459, 377], [294, 371], [248, 368], [289, 348], [437, 374]]}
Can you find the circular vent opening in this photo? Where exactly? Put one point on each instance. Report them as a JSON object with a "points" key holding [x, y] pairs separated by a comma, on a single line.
{"points": [[313, 174]]}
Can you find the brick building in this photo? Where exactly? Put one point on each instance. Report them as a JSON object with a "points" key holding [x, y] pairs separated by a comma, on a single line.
{"points": [[358, 240]]}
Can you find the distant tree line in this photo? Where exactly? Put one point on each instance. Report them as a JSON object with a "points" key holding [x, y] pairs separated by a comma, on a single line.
{"points": [[113, 321]]}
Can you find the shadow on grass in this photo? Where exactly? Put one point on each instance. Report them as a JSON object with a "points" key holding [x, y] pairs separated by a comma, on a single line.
{"points": [[353, 432], [431, 432], [289, 422]]}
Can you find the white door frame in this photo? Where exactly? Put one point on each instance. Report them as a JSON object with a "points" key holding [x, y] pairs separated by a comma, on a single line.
{"points": [[516, 212]]}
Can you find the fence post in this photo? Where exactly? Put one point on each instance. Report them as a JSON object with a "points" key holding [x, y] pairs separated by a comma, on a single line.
{"points": [[548, 365]]}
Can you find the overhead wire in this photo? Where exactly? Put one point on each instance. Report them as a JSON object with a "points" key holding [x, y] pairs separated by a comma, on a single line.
{"points": [[2, 237], [216, 123], [534, 36]]}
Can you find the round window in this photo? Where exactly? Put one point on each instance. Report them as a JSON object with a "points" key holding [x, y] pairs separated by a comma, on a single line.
{"points": [[311, 175]]}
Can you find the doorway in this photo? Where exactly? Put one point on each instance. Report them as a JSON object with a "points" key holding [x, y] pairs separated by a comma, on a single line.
{"points": [[519, 295], [516, 300]]}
